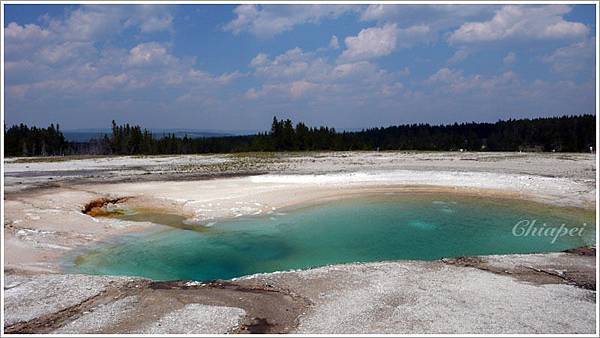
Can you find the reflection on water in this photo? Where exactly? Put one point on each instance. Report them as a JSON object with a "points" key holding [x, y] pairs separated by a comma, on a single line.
{"points": [[370, 228]]}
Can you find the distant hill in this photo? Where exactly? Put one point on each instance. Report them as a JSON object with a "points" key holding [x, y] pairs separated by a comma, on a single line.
{"points": [[82, 136], [190, 133]]}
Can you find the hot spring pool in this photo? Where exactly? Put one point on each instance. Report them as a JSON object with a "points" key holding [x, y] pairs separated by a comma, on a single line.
{"points": [[421, 226]]}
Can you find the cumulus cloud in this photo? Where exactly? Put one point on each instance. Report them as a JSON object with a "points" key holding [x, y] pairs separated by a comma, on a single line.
{"points": [[392, 89], [521, 22], [293, 90], [226, 78], [110, 81], [436, 18], [85, 24], [293, 64], [151, 18], [378, 12], [377, 41], [80, 56], [64, 52], [445, 75], [149, 54], [459, 55], [412, 35], [346, 70], [437, 15], [297, 74], [370, 43], [574, 58], [510, 58], [296, 64], [20, 41], [298, 88], [334, 43], [95, 21], [259, 60], [16, 32], [453, 80], [269, 20]]}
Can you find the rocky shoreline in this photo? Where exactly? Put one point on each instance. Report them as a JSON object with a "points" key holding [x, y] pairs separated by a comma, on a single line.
{"points": [[287, 302]]}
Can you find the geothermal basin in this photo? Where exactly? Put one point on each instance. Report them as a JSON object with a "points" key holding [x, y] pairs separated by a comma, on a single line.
{"points": [[377, 227], [349, 242]]}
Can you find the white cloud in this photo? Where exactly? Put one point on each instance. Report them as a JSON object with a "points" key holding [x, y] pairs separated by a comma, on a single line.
{"points": [[574, 58], [334, 43], [65, 52], [85, 24], [370, 43], [378, 12], [259, 60], [48, 63], [247, 15], [436, 18], [21, 41], [393, 89], [110, 81], [292, 64], [521, 22], [89, 22], [300, 87], [226, 78], [251, 94], [269, 20], [445, 75], [298, 74], [77, 68], [380, 41], [355, 70], [437, 15], [458, 56], [152, 18], [455, 81], [293, 90], [408, 37], [16, 32], [149, 54], [65, 56], [510, 58]]}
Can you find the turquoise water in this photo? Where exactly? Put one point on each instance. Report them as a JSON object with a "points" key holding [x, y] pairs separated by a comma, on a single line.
{"points": [[372, 228]]}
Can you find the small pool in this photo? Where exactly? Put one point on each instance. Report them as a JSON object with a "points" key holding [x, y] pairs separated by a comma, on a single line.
{"points": [[391, 226]]}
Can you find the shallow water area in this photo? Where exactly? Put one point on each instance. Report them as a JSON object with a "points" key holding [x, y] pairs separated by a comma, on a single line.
{"points": [[423, 226], [156, 217]]}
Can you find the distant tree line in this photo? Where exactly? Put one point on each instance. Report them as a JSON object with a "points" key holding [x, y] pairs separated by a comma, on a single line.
{"points": [[562, 134], [20, 140]]}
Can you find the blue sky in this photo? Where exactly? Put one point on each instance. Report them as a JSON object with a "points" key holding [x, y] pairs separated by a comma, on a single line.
{"points": [[232, 67]]}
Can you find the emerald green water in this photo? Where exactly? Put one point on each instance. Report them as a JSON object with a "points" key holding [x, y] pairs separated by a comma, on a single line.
{"points": [[374, 228]]}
